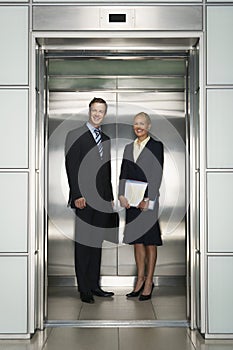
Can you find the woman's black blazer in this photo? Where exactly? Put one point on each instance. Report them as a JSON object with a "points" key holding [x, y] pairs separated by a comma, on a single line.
{"points": [[148, 167]]}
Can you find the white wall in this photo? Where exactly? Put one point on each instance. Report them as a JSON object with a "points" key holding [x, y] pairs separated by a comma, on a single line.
{"points": [[219, 179], [14, 169]]}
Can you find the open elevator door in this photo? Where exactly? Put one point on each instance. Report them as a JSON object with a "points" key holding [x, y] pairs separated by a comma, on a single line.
{"points": [[127, 93]]}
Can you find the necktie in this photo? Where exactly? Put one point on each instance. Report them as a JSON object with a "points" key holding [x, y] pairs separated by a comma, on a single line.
{"points": [[99, 142]]}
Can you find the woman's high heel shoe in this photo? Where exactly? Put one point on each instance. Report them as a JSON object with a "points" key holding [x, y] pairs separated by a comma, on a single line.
{"points": [[148, 296], [135, 294]]}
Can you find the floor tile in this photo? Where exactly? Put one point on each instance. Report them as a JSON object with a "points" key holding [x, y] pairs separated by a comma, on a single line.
{"points": [[35, 343], [170, 291], [119, 290], [170, 303], [172, 312], [164, 300], [201, 344], [117, 308], [83, 339], [154, 339], [63, 303]]}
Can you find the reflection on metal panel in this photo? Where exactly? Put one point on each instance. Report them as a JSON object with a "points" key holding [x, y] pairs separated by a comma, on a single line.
{"points": [[69, 109], [114, 43], [99, 18], [91, 66]]}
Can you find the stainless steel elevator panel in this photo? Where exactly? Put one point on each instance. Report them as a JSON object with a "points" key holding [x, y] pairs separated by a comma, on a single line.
{"points": [[156, 86], [173, 17]]}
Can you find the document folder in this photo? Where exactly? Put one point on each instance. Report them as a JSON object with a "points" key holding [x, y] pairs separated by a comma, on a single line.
{"points": [[135, 191]]}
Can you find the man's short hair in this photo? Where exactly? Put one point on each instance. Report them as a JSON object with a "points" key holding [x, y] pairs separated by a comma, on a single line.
{"points": [[98, 100]]}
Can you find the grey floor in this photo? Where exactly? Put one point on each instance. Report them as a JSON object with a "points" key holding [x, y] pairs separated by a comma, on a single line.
{"points": [[116, 339], [168, 303]]}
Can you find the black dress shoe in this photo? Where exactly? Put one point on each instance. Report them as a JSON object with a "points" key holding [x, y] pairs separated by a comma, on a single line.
{"points": [[144, 297], [135, 294], [87, 298], [102, 293]]}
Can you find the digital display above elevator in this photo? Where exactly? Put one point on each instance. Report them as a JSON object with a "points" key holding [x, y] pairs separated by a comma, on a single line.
{"points": [[117, 17]]}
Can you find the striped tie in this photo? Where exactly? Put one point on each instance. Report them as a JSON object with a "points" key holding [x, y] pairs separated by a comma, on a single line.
{"points": [[99, 142]]}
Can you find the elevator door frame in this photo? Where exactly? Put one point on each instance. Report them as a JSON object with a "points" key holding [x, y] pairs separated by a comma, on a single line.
{"points": [[38, 268]]}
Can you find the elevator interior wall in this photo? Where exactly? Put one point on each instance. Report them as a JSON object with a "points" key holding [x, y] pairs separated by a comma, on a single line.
{"points": [[130, 83]]}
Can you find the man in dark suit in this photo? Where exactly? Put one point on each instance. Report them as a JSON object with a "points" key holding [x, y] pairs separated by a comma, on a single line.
{"points": [[88, 170]]}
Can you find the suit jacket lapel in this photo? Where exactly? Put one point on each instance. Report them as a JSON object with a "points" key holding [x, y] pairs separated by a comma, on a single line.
{"points": [[94, 144], [131, 158], [143, 153]]}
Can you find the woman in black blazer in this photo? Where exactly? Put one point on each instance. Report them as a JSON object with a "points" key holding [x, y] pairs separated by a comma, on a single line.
{"points": [[143, 161]]}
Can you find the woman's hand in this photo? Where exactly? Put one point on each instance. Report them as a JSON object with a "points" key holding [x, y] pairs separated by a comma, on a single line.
{"points": [[143, 205], [124, 202], [80, 203]]}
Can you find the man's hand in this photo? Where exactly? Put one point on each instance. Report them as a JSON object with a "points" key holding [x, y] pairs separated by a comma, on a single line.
{"points": [[80, 203]]}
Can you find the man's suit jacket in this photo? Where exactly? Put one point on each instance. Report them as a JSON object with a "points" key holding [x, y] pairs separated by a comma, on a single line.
{"points": [[89, 176], [148, 167]]}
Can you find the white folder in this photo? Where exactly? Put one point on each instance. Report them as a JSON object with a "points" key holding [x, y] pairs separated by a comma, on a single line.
{"points": [[135, 191]]}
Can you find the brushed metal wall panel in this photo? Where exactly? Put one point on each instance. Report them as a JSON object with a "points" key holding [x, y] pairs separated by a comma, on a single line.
{"points": [[169, 18], [65, 18], [97, 18], [67, 110]]}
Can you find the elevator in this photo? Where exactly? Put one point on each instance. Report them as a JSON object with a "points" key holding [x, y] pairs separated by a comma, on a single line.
{"points": [[160, 78]]}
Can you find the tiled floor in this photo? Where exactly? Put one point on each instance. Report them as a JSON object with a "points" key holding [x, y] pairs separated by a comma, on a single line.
{"points": [[116, 339], [168, 303]]}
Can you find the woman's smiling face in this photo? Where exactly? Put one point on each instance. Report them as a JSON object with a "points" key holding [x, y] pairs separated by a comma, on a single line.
{"points": [[141, 127]]}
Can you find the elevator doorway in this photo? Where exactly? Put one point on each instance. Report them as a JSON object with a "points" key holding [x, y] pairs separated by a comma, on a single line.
{"points": [[162, 84]]}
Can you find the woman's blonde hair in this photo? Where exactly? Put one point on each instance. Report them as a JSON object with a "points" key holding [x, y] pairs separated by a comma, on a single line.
{"points": [[145, 115]]}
